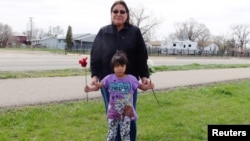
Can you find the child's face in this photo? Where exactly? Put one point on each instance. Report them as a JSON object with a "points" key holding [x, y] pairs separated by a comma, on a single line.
{"points": [[119, 69]]}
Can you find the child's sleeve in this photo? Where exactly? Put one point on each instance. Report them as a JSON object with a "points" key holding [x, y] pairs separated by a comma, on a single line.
{"points": [[104, 82], [135, 82]]}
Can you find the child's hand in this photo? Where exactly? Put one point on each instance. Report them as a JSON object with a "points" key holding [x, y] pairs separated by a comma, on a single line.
{"points": [[87, 89]]}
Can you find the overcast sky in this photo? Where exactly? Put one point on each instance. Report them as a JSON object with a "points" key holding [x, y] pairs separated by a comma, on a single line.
{"points": [[87, 16]]}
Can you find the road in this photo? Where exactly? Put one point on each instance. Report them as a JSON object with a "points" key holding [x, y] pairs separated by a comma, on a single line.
{"points": [[31, 60]]}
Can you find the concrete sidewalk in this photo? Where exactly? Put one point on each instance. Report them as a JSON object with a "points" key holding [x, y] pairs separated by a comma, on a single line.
{"points": [[30, 91]]}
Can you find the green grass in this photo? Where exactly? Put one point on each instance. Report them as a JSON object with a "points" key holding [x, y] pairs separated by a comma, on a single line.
{"points": [[42, 73], [183, 115], [195, 66]]}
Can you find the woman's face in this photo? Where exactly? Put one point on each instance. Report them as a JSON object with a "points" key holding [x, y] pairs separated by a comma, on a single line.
{"points": [[119, 15]]}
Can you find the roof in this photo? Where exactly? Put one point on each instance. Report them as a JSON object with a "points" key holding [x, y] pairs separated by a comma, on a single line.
{"points": [[88, 38], [18, 34], [44, 38], [75, 36], [154, 43]]}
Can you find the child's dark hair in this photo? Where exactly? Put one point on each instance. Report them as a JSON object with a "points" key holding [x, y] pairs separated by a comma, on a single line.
{"points": [[119, 58]]}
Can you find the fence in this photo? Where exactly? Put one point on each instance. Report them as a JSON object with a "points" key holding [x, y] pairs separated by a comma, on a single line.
{"points": [[174, 52], [190, 52]]}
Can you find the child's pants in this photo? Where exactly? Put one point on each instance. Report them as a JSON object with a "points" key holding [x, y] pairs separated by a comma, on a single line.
{"points": [[124, 129]]}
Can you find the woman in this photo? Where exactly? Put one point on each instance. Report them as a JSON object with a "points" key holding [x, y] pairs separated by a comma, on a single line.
{"points": [[119, 35]]}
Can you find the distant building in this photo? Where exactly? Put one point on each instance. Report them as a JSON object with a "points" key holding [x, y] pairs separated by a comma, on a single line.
{"points": [[47, 42], [84, 42], [80, 42], [211, 49], [18, 39], [154, 46], [180, 47]]}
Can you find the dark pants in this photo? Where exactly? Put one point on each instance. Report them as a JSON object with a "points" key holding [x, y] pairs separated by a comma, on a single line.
{"points": [[105, 96]]}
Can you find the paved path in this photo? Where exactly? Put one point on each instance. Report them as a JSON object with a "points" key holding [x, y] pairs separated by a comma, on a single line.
{"points": [[30, 91]]}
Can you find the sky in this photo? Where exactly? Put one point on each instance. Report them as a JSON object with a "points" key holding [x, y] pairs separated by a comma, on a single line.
{"points": [[88, 16]]}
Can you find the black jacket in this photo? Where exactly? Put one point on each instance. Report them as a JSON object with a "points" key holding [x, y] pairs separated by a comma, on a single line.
{"points": [[108, 41]]}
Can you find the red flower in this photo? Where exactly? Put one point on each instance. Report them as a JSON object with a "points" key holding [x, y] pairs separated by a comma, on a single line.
{"points": [[83, 61]]}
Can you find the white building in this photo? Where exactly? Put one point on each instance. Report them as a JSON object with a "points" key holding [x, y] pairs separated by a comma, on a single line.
{"points": [[211, 49], [180, 47], [50, 42]]}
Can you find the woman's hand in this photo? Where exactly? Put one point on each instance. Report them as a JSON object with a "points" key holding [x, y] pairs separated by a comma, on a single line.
{"points": [[94, 80]]}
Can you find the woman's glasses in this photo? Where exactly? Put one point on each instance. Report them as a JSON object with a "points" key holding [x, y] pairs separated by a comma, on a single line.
{"points": [[121, 12]]}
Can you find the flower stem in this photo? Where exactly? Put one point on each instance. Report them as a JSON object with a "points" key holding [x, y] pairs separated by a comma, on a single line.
{"points": [[86, 84], [154, 93]]}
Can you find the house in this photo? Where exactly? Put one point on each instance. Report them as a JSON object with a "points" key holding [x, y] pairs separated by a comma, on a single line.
{"points": [[80, 42], [83, 42], [19, 39], [154, 46], [49, 42], [180, 47], [211, 49]]}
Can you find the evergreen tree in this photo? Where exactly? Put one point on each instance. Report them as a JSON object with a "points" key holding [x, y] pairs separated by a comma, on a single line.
{"points": [[69, 37]]}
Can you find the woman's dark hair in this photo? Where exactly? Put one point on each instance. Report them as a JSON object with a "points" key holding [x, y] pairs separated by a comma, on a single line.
{"points": [[121, 2], [119, 58]]}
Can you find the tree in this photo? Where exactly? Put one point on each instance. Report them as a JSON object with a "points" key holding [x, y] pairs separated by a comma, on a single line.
{"points": [[220, 42], [225, 42], [203, 36], [193, 31], [55, 31], [38, 33], [5, 34], [52, 32], [241, 32], [230, 44], [146, 22], [69, 37]]}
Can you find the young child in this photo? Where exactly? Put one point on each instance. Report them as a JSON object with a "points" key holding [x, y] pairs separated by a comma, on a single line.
{"points": [[120, 86]]}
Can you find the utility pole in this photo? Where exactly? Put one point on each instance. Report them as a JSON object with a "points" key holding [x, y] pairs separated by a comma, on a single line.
{"points": [[31, 27]]}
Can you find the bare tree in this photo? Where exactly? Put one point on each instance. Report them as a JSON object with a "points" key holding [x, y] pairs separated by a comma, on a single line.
{"points": [[52, 32], [57, 30], [225, 42], [220, 42], [38, 33], [230, 44], [241, 32], [203, 35], [193, 31], [5, 34], [146, 22]]}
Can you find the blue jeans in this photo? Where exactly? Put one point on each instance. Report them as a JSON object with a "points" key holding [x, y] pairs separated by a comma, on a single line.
{"points": [[105, 96]]}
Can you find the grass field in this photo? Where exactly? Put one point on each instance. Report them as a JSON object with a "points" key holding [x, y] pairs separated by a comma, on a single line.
{"points": [[183, 115]]}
